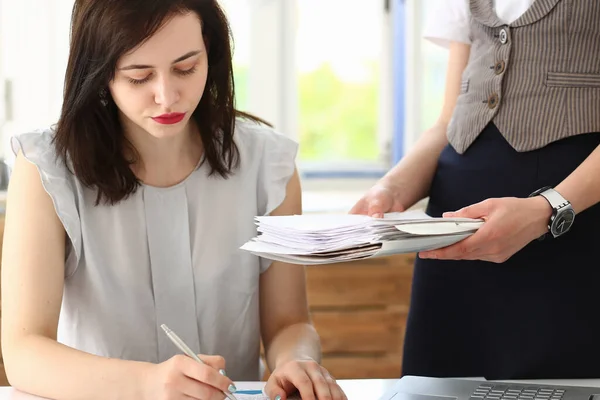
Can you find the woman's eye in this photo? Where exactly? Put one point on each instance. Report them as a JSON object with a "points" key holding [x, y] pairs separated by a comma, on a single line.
{"points": [[180, 72], [139, 81], [186, 72]]}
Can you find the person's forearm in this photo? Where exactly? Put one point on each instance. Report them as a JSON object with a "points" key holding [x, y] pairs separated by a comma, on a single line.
{"points": [[411, 178], [295, 342], [582, 186], [43, 367]]}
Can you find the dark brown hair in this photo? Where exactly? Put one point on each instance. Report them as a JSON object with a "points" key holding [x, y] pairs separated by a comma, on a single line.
{"points": [[89, 137]]}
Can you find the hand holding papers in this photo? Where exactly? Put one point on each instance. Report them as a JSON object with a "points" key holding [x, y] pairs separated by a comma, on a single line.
{"points": [[330, 238]]}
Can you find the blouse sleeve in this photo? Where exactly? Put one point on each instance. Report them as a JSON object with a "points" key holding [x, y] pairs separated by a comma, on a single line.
{"points": [[448, 21], [37, 148], [277, 167]]}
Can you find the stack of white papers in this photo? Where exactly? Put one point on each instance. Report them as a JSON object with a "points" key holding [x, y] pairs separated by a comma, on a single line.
{"points": [[329, 238]]}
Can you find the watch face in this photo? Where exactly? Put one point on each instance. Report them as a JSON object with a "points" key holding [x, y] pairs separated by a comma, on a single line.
{"points": [[562, 223]]}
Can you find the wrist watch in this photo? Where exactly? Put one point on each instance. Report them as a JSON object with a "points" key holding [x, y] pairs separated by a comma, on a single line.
{"points": [[563, 214]]}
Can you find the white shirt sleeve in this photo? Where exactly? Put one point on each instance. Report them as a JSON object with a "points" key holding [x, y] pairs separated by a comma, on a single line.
{"points": [[448, 21]]}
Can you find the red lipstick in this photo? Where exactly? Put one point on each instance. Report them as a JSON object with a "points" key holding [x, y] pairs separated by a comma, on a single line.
{"points": [[169, 119]]}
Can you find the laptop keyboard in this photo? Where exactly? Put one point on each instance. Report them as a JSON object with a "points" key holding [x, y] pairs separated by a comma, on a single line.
{"points": [[489, 391]]}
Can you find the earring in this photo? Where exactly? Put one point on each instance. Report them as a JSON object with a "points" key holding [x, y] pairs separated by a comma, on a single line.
{"points": [[103, 96]]}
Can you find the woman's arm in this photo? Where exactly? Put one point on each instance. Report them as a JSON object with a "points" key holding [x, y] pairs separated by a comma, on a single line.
{"points": [[582, 186], [512, 223], [292, 345], [32, 286], [409, 181], [285, 323]]}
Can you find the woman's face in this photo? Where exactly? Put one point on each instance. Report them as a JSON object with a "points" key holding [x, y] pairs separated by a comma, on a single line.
{"points": [[158, 86]]}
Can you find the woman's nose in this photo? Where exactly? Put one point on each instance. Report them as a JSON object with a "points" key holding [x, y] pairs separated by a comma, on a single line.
{"points": [[166, 92]]}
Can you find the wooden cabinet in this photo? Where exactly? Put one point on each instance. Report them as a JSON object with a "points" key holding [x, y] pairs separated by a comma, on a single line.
{"points": [[359, 310]]}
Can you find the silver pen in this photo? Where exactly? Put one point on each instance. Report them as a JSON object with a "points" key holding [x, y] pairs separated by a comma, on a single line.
{"points": [[184, 347]]}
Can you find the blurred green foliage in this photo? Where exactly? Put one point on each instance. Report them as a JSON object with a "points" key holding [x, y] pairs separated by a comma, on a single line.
{"points": [[338, 120]]}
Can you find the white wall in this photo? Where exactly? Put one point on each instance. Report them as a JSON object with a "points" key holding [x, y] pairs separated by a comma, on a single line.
{"points": [[34, 38]]}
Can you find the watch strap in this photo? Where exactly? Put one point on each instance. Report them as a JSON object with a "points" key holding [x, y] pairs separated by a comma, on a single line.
{"points": [[555, 199]]}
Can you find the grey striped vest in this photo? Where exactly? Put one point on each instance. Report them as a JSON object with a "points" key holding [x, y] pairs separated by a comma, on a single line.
{"points": [[537, 79]]}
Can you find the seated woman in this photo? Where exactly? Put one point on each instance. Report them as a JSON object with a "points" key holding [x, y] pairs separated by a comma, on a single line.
{"points": [[130, 212]]}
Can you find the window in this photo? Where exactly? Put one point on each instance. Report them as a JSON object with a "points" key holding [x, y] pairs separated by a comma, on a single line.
{"points": [[434, 61], [320, 78], [421, 68], [339, 52], [237, 12]]}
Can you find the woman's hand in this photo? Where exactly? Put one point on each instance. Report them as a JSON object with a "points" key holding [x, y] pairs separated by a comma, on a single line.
{"points": [[182, 377], [308, 377], [510, 224], [380, 199]]}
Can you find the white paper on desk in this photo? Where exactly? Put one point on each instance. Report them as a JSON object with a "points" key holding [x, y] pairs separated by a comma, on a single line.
{"points": [[261, 397]]}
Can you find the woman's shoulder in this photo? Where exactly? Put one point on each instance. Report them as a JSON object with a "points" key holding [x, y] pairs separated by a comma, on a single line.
{"points": [[448, 21], [37, 146], [40, 138], [271, 156], [254, 136]]}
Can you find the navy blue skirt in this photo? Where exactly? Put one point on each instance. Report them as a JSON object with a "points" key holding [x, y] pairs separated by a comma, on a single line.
{"points": [[535, 316]]}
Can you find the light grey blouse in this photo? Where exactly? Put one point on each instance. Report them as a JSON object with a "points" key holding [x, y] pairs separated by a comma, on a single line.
{"points": [[167, 255]]}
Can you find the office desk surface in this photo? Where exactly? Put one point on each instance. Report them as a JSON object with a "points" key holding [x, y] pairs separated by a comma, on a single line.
{"points": [[359, 389], [366, 389]]}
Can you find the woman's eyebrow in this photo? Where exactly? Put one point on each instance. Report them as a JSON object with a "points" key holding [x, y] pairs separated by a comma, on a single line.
{"points": [[141, 66]]}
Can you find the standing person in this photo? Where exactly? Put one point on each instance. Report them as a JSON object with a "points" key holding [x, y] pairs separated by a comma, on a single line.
{"points": [[130, 212], [516, 144]]}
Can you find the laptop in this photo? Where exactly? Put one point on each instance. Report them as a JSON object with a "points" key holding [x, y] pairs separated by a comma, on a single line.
{"points": [[424, 388]]}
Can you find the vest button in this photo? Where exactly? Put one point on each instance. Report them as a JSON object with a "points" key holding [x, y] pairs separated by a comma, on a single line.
{"points": [[503, 36], [499, 67], [493, 101]]}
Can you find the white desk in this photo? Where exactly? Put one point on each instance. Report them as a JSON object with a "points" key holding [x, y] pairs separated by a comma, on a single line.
{"points": [[360, 389], [355, 389]]}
